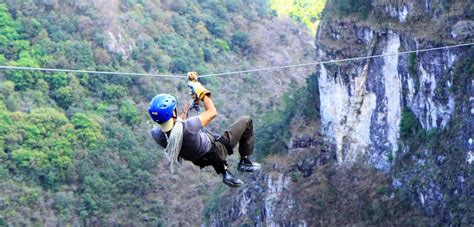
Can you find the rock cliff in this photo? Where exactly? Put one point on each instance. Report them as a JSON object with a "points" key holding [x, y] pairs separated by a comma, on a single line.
{"points": [[408, 118]]}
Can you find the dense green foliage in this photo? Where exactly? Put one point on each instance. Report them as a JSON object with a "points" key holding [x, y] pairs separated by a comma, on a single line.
{"points": [[412, 131], [81, 141], [241, 41], [409, 125], [305, 11], [344, 7], [413, 70], [274, 131]]}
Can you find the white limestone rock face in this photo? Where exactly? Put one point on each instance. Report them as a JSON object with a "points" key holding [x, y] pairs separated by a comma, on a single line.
{"points": [[397, 10], [430, 111], [362, 101], [274, 191], [392, 89], [334, 100], [350, 110], [346, 118]]}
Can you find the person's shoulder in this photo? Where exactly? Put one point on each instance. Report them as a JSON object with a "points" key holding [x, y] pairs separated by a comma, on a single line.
{"points": [[192, 119], [193, 123], [156, 132], [159, 136]]}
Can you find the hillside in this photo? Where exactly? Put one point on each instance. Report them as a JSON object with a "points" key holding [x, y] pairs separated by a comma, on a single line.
{"points": [[76, 148]]}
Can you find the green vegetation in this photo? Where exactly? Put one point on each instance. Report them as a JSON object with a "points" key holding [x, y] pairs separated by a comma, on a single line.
{"points": [[372, 200], [344, 7], [413, 70], [409, 124], [241, 41], [213, 202], [307, 12], [446, 4], [273, 131], [222, 45], [412, 132], [77, 145]]}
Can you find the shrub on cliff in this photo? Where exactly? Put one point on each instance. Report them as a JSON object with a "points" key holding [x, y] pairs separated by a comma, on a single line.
{"points": [[273, 132], [343, 7]]}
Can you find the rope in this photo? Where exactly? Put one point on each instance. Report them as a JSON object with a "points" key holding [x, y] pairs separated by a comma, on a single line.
{"points": [[174, 144], [89, 72], [334, 61], [235, 72]]}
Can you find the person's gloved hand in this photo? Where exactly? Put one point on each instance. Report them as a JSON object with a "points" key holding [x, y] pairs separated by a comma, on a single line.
{"points": [[193, 76], [197, 87]]}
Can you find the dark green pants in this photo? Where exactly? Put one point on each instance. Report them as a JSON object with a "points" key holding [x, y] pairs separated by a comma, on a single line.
{"points": [[240, 132]]}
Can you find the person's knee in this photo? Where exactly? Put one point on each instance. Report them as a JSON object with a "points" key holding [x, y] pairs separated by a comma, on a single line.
{"points": [[246, 119]]}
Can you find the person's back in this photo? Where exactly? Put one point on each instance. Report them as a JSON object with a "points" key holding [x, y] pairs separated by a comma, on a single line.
{"points": [[196, 143]]}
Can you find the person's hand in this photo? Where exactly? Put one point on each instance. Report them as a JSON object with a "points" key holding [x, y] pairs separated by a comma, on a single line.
{"points": [[197, 87], [193, 76]]}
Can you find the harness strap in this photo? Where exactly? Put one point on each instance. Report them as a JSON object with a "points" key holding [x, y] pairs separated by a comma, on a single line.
{"points": [[211, 159], [226, 143], [222, 140]]}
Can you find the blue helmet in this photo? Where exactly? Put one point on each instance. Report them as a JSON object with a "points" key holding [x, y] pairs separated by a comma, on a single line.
{"points": [[162, 107]]}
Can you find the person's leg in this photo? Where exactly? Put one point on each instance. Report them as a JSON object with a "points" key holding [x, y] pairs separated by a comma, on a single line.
{"points": [[219, 156], [241, 132]]}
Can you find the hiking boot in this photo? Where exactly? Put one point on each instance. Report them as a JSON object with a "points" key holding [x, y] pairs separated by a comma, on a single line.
{"points": [[245, 165], [231, 180]]}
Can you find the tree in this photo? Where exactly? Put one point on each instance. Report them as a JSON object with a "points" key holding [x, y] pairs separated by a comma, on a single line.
{"points": [[305, 11], [311, 108], [114, 92], [5, 127], [88, 131], [24, 79], [129, 113], [222, 45], [7, 24], [180, 65], [362, 7], [215, 26], [207, 55], [45, 151], [57, 80], [409, 124], [241, 40], [64, 96], [79, 54]]}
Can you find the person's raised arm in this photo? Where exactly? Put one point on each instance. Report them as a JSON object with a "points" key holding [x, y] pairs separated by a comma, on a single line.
{"points": [[210, 113], [202, 94]]}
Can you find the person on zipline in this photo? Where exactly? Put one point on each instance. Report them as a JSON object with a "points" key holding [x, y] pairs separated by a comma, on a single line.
{"points": [[187, 139]]}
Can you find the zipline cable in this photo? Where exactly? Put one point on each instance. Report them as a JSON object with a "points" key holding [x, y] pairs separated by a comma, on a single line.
{"points": [[234, 72], [89, 72], [335, 61]]}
